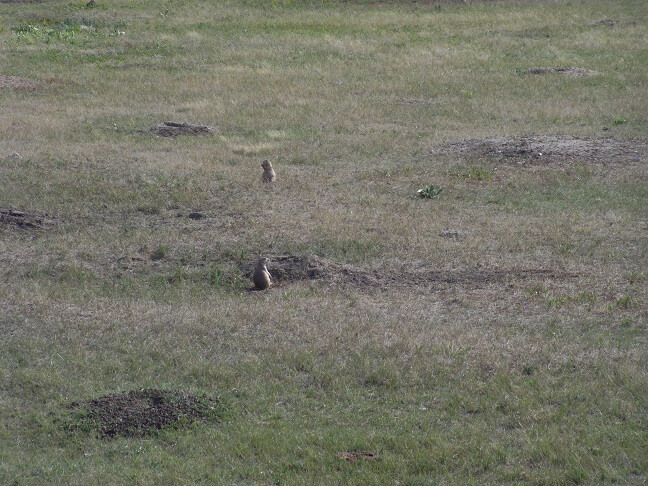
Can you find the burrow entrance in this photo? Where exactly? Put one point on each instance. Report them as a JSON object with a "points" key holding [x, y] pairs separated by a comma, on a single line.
{"points": [[25, 220], [176, 129]]}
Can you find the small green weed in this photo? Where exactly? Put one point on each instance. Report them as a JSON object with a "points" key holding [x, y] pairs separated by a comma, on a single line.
{"points": [[558, 301], [587, 298], [529, 369], [430, 192], [620, 121], [623, 303], [565, 247]]}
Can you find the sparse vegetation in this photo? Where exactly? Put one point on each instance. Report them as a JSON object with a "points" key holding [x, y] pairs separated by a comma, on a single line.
{"points": [[495, 335], [474, 173]]}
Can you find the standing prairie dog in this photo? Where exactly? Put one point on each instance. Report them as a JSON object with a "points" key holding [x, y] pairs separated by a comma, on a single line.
{"points": [[268, 172], [261, 276]]}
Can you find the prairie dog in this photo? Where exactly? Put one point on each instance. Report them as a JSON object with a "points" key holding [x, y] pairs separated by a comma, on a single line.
{"points": [[268, 172], [261, 276]]}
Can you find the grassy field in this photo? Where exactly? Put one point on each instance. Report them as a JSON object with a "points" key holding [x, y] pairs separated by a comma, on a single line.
{"points": [[494, 334]]}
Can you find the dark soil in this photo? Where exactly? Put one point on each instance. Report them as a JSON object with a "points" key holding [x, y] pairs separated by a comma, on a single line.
{"points": [[17, 83], [550, 149], [138, 413], [25, 220], [569, 71], [353, 456], [286, 269], [196, 215], [175, 129]]}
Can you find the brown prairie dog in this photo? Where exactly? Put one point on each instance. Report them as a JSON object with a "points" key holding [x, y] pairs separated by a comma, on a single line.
{"points": [[268, 172], [261, 276]]}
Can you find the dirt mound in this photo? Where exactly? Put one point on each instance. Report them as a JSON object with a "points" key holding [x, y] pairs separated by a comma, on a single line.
{"points": [[569, 71], [550, 149], [138, 413], [22, 219], [291, 268], [175, 129], [17, 83], [286, 269]]}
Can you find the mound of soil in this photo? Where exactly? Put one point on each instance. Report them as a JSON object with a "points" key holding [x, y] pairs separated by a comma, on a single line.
{"points": [[17, 83], [353, 456], [175, 129], [550, 149], [138, 413], [22, 219], [286, 269], [570, 71]]}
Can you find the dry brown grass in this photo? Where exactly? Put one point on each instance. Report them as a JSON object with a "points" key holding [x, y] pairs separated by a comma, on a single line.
{"points": [[535, 377]]}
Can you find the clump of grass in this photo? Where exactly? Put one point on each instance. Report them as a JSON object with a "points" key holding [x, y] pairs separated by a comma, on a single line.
{"points": [[587, 298], [623, 303], [430, 192], [557, 301], [537, 290], [620, 121]]}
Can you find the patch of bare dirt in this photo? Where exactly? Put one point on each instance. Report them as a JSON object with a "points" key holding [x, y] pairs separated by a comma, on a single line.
{"points": [[18, 83], [568, 71], [606, 22], [290, 268], [551, 149], [25, 220], [139, 413], [175, 129], [615, 23], [353, 456]]}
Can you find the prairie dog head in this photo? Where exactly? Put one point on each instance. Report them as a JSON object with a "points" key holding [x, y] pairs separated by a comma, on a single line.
{"points": [[263, 262], [266, 165]]}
